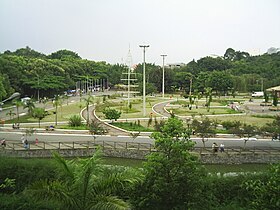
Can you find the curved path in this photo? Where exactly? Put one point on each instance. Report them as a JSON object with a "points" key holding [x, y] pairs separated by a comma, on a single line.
{"points": [[112, 130], [160, 108]]}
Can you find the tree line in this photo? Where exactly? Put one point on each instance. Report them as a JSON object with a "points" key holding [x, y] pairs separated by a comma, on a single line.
{"points": [[27, 71]]}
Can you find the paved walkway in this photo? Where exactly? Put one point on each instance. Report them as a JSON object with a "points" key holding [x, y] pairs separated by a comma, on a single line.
{"points": [[112, 130], [160, 110]]}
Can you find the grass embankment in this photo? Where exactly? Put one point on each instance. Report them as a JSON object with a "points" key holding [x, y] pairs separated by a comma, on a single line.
{"points": [[136, 110], [130, 126], [34, 163], [185, 111], [63, 114]]}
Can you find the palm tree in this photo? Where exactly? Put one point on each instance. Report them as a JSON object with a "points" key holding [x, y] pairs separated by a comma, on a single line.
{"points": [[39, 113], [88, 101], [29, 104], [86, 184], [45, 101], [208, 92], [18, 104], [56, 103], [11, 114]]}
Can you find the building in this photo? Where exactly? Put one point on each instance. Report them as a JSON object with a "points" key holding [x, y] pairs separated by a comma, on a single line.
{"points": [[274, 90]]}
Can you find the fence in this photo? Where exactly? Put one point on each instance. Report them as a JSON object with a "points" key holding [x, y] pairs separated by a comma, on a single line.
{"points": [[116, 145], [81, 145]]}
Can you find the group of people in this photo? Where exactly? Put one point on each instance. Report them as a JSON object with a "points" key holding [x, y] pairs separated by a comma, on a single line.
{"points": [[15, 125], [26, 143], [215, 147]]}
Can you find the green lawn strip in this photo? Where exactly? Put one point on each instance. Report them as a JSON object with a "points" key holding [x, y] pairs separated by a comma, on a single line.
{"points": [[135, 112], [82, 127], [132, 126], [215, 168], [186, 111], [63, 114], [244, 119], [200, 103]]}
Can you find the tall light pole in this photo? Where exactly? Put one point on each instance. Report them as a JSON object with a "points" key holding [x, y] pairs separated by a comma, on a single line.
{"points": [[163, 56], [144, 80]]}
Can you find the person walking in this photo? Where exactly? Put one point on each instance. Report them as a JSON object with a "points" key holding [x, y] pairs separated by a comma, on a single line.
{"points": [[26, 144], [36, 141], [3, 143], [214, 147], [22, 140], [222, 147]]}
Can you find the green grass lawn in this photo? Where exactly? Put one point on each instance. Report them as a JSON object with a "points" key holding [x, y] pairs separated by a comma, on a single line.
{"points": [[236, 168], [133, 126], [257, 121], [63, 114], [135, 112], [184, 111]]}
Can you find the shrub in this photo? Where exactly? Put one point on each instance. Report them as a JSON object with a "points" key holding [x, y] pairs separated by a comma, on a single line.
{"points": [[75, 121]]}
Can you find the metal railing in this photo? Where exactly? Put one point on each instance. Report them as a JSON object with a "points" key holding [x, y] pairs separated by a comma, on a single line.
{"points": [[80, 145], [135, 146]]}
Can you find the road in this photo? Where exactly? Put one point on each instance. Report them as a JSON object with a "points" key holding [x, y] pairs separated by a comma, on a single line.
{"points": [[54, 137], [72, 99]]}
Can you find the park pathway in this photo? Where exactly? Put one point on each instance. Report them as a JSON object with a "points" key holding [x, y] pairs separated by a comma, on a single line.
{"points": [[112, 130], [160, 110]]}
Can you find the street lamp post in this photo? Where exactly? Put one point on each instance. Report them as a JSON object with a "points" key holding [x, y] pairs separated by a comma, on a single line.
{"points": [[163, 56], [144, 80], [38, 82]]}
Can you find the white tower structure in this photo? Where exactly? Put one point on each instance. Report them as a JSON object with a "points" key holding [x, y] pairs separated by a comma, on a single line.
{"points": [[129, 78]]}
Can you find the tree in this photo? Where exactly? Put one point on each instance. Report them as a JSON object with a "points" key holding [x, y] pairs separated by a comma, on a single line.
{"points": [[11, 114], [221, 82], [86, 184], [265, 192], [172, 174], [18, 104], [3, 92], [88, 101], [111, 114], [229, 54], [204, 128], [245, 131], [208, 95], [39, 113], [95, 128], [275, 99], [29, 104], [64, 54], [273, 129], [56, 103]]}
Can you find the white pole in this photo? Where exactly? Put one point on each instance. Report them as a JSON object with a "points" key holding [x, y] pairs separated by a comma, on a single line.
{"points": [[163, 56], [144, 80]]}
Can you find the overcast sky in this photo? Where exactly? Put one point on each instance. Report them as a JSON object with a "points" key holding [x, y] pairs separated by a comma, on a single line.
{"points": [[102, 30]]}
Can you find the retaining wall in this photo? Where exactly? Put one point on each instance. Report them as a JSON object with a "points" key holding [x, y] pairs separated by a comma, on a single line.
{"points": [[221, 158]]}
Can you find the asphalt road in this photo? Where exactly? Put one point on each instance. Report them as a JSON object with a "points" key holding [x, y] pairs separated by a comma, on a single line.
{"points": [[72, 99], [53, 137]]}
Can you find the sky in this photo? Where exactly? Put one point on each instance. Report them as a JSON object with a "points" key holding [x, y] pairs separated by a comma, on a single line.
{"points": [[104, 30]]}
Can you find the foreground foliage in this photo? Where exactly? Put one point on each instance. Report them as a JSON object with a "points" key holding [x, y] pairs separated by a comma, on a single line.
{"points": [[85, 184]]}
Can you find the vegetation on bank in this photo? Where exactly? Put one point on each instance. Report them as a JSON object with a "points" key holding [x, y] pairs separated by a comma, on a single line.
{"points": [[170, 178]]}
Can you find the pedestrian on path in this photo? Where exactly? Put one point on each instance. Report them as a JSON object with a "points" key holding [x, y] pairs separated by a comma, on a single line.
{"points": [[222, 147], [22, 139], [214, 147], [3, 143], [26, 144], [36, 141]]}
